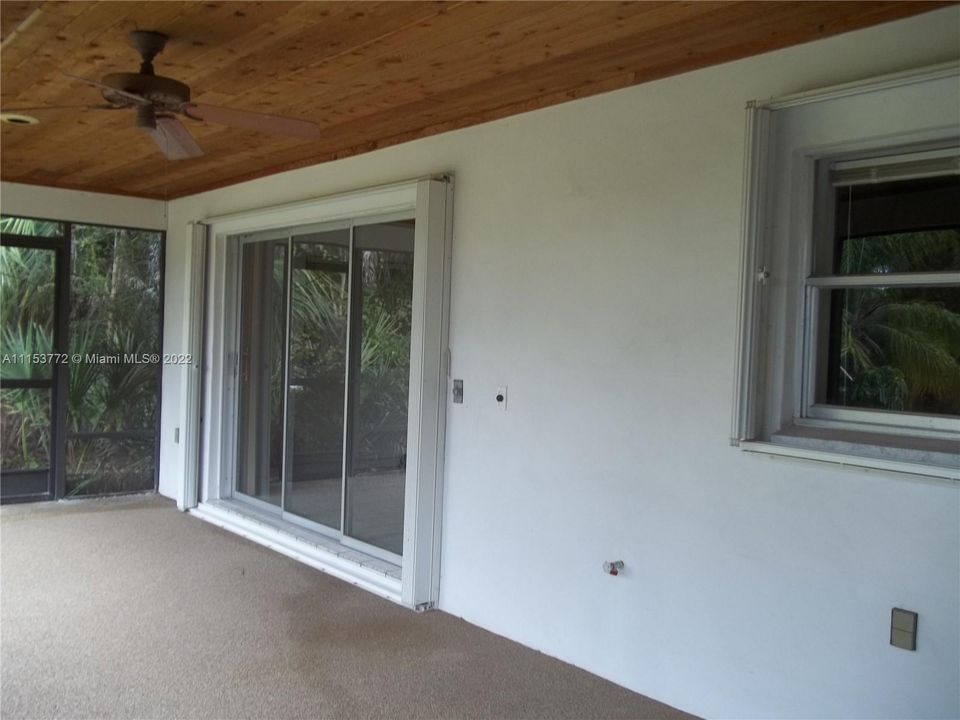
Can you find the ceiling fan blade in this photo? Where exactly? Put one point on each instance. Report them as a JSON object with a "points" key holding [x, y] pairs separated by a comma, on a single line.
{"points": [[174, 140], [261, 122], [97, 84], [62, 107]]}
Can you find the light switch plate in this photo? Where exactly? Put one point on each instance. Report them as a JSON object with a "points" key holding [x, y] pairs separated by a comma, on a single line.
{"points": [[903, 629]]}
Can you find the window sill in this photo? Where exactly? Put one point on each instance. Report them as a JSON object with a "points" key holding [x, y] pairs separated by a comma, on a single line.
{"points": [[931, 459]]}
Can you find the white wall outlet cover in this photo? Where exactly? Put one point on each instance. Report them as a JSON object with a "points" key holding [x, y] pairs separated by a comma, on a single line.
{"points": [[501, 397]]}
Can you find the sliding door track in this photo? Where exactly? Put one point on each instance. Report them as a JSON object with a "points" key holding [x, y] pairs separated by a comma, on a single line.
{"points": [[311, 548]]}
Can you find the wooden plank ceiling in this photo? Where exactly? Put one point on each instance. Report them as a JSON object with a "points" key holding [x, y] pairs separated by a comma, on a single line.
{"points": [[371, 74]]}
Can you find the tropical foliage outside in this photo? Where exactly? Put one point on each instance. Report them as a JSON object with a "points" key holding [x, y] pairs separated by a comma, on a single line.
{"points": [[317, 357], [380, 422], [898, 348], [112, 407], [319, 312]]}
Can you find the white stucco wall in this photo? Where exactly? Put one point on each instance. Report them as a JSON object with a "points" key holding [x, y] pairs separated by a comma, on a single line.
{"points": [[83, 207], [595, 274]]}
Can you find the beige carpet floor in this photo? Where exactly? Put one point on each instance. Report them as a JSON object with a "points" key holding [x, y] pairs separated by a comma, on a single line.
{"points": [[126, 608]]}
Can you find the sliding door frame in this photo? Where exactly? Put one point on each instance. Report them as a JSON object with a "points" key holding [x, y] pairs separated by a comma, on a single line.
{"points": [[429, 202]]}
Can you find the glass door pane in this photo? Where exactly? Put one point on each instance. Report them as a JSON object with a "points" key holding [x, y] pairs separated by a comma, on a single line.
{"points": [[379, 383], [28, 311], [263, 337], [319, 306]]}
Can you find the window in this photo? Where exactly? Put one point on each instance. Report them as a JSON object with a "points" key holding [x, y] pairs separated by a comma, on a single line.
{"points": [[883, 302], [850, 332]]}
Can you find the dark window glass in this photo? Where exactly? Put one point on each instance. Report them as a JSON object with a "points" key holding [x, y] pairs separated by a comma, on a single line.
{"points": [[895, 349], [263, 333], [898, 227]]}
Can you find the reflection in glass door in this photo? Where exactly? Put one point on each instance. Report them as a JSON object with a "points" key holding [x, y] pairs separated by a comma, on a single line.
{"points": [[382, 292], [324, 367], [263, 331]]}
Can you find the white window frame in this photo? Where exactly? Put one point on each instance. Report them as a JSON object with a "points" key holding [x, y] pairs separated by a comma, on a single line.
{"points": [[430, 202], [774, 409], [811, 411]]}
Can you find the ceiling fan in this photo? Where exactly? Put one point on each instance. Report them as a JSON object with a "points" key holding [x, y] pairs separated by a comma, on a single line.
{"points": [[158, 100]]}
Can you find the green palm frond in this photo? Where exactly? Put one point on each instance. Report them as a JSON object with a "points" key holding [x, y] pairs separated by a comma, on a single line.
{"points": [[894, 353], [924, 343]]}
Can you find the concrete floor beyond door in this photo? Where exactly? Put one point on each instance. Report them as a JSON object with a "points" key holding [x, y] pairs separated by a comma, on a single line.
{"points": [[126, 608]]}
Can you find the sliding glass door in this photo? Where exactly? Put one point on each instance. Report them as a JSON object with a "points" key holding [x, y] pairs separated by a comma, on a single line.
{"points": [[324, 353]]}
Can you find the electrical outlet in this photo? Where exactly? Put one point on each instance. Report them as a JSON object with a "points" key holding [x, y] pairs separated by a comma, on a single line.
{"points": [[903, 629]]}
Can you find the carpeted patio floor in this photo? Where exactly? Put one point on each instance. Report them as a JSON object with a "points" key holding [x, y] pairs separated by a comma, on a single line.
{"points": [[126, 608]]}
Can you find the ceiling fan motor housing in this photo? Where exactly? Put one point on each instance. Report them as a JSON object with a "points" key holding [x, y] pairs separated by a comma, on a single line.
{"points": [[165, 93]]}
